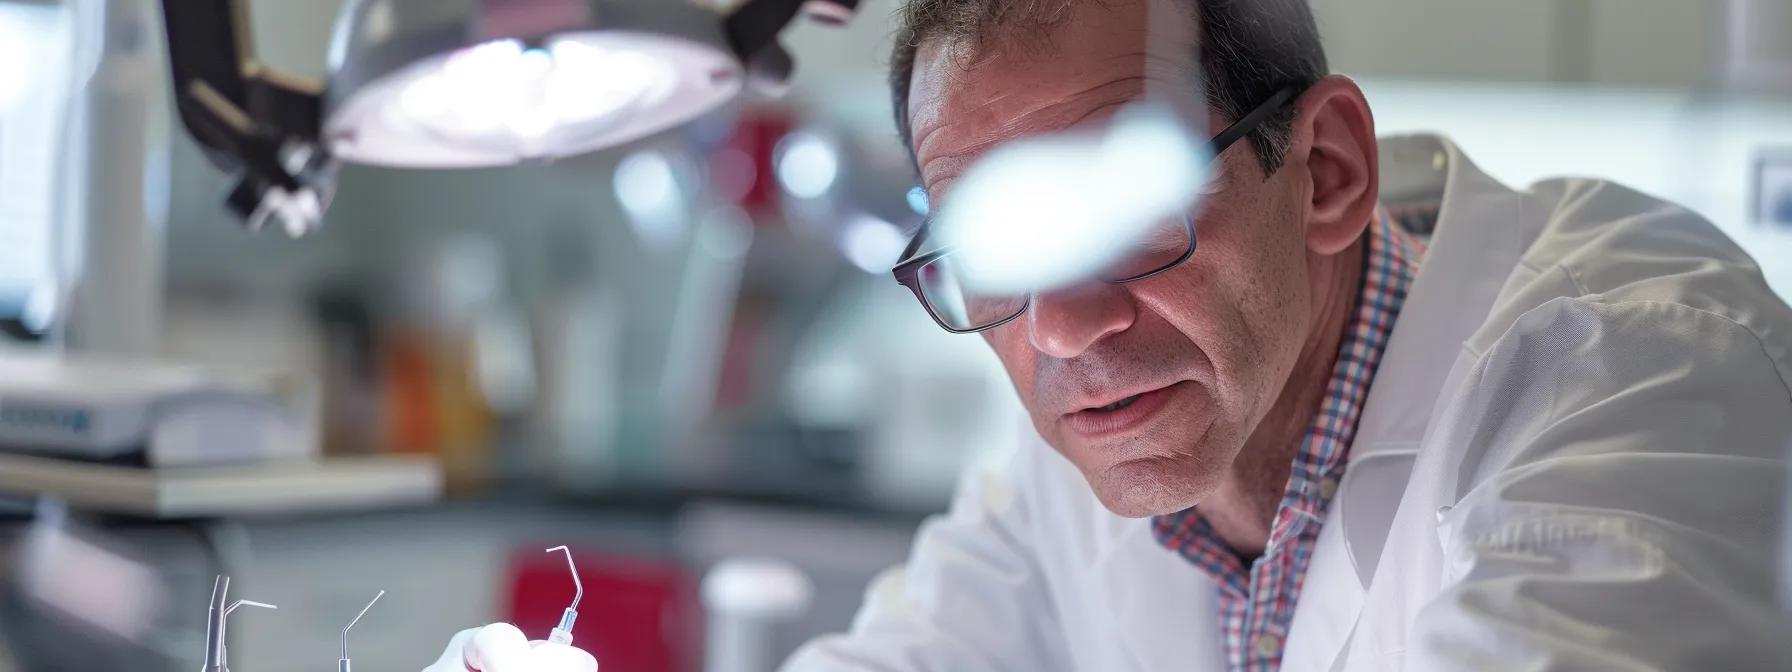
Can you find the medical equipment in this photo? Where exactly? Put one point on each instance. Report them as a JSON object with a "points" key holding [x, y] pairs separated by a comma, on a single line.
{"points": [[217, 657], [562, 634], [154, 413], [343, 664], [462, 83]]}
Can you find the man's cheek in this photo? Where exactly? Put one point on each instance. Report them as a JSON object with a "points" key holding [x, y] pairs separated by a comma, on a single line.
{"points": [[1190, 306], [1010, 346]]}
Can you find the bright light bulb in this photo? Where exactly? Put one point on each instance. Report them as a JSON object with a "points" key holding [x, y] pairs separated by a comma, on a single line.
{"points": [[502, 101], [425, 98], [574, 91], [574, 52], [532, 122], [595, 83], [479, 113], [485, 62], [499, 92]]}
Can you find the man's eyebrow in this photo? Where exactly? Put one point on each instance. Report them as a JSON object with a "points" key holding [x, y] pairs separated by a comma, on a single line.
{"points": [[1096, 110]]}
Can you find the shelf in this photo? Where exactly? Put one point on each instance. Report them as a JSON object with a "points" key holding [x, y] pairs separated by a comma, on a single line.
{"points": [[282, 488]]}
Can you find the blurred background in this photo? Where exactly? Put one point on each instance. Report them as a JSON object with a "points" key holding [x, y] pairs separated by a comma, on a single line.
{"points": [[676, 355]]}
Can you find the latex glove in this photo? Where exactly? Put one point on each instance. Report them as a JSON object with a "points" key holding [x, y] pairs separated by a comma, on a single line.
{"points": [[500, 647]]}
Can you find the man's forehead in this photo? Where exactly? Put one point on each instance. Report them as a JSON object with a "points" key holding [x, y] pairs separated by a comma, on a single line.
{"points": [[962, 103], [954, 122]]}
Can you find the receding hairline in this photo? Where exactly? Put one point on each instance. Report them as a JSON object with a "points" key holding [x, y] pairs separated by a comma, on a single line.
{"points": [[965, 48], [970, 43], [1243, 50], [1105, 94]]}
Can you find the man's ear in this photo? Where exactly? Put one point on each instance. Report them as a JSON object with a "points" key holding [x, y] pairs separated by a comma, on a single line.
{"points": [[1334, 133]]}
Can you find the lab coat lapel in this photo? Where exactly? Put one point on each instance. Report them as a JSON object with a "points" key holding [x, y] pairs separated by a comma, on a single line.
{"points": [[1476, 245], [1479, 239], [1125, 603], [1329, 603], [1164, 614]]}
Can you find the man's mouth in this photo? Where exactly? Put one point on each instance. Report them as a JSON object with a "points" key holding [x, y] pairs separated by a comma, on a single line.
{"points": [[1122, 415], [1123, 403]]}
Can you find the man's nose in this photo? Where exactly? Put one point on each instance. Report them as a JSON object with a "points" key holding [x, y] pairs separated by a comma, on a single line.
{"points": [[1064, 323]]}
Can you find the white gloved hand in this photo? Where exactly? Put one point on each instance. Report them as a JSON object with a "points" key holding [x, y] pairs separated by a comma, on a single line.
{"points": [[500, 647]]}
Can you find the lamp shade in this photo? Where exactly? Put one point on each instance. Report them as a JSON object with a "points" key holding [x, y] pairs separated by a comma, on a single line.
{"points": [[467, 83]]}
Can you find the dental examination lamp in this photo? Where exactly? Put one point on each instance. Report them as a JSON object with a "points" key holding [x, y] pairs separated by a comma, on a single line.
{"points": [[460, 84]]}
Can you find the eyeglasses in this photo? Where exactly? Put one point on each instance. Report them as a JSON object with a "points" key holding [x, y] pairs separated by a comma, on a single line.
{"points": [[936, 279]]}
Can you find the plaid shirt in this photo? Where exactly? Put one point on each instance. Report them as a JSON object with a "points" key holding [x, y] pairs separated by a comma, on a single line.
{"points": [[1257, 602]]}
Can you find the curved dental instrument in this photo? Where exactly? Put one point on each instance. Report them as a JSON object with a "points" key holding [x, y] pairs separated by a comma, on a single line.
{"points": [[343, 664], [562, 634], [217, 657]]}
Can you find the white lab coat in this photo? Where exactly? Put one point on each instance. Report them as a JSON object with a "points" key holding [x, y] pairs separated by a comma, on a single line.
{"points": [[1572, 457]]}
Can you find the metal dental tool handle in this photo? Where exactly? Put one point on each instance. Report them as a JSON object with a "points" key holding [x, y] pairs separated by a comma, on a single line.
{"points": [[217, 656], [214, 626], [562, 634], [343, 664]]}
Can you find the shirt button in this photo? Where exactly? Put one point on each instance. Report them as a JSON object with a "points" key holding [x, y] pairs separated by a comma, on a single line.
{"points": [[1268, 645], [1328, 487]]}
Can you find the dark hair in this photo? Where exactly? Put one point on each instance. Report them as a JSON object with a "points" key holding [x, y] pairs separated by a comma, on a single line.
{"points": [[1248, 49]]}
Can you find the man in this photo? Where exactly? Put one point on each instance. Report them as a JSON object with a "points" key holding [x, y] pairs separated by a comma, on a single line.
{"points": [[1552, 437], [1549, 437]]}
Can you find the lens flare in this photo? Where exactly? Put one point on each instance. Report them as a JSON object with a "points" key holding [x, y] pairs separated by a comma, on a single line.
{"points": [[1049, 211]]}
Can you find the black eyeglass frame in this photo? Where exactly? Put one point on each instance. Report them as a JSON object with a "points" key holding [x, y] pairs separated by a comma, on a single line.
{"points": [[907, 271]]}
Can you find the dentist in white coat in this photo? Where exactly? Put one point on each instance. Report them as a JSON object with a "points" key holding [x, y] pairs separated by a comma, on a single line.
{"points": [[1571, 455], [1537, 429]]}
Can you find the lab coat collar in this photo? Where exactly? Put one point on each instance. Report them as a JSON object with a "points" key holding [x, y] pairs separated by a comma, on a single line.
{"points": [[1482, 231], [1477, 242]]}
